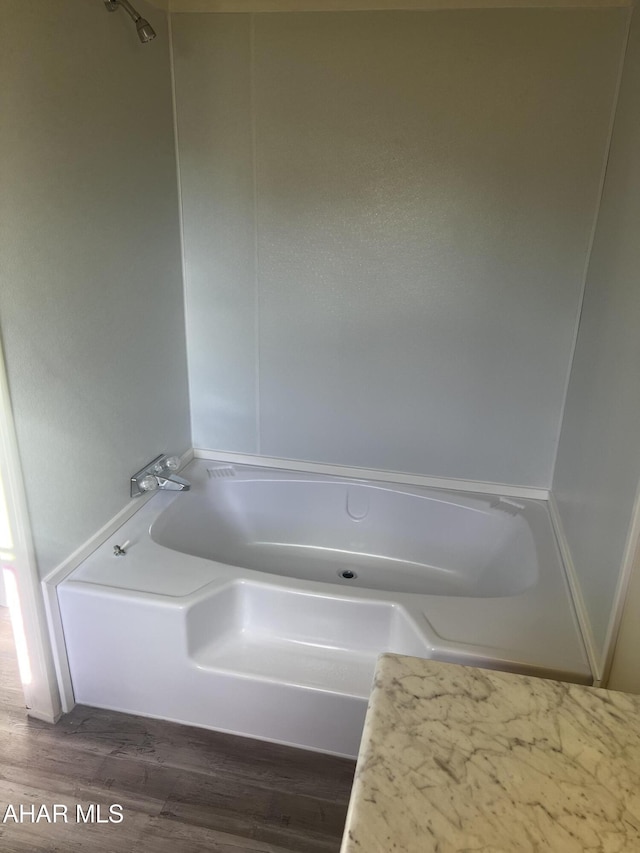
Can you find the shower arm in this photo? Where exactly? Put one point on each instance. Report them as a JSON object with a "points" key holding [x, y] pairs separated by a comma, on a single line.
{"points": [[145, 30], [112, 5]]}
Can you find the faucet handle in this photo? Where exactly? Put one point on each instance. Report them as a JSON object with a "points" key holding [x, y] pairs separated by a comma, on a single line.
{"points": [[166, 463], [148, 483]]}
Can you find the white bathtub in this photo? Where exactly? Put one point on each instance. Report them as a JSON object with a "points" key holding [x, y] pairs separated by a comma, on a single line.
{"points": [[258, 602]]}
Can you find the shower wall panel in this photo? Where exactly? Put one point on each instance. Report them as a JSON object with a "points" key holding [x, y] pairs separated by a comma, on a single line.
{"points": [[387, 217], [91, 300], [598, 467]]}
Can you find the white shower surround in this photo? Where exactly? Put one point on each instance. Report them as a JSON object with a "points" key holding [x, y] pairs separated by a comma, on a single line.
{"points": [[198, 640]]}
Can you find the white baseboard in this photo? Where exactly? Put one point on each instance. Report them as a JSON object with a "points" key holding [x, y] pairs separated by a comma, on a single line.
{"points": [[576, 592], [486, 488], [45, 716], [56, 576]]}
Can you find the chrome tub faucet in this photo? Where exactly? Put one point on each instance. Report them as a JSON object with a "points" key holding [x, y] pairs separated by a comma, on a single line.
{"points": [[159, 474]]}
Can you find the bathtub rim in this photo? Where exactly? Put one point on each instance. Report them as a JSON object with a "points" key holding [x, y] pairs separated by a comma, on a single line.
{"points": [[530, 514], [50, 582]]}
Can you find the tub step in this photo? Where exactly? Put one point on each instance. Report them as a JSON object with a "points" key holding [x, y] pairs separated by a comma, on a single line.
{"points": [[266, 658]]}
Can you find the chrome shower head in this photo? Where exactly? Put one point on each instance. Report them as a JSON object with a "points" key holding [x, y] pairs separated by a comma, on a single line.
{"points": [[145, 30]]}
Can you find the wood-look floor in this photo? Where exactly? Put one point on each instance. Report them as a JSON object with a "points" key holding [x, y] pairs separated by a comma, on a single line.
{"points": [[183, 789]]}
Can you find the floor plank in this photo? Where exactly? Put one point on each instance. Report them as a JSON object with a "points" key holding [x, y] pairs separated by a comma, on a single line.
{"points": [[182, 789]]}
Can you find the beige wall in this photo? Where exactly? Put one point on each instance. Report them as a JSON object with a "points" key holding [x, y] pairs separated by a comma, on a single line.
{"points": [[387, 218], [91, 304], [598, 466]]}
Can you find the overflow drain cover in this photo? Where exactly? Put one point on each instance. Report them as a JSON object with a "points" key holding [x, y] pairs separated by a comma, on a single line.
{"points": [[347, 574]]}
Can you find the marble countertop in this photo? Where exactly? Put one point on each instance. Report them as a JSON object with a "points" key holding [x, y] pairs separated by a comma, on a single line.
{"points": [[455, 758]]}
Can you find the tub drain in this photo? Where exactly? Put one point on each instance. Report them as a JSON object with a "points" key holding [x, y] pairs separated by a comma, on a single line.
{"points": [[347, 574]]}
